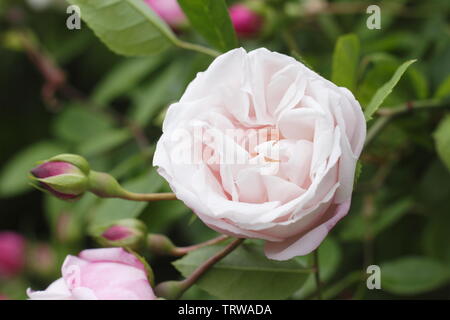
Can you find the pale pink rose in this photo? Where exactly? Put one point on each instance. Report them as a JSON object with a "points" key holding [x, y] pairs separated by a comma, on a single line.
{"points": [[99, 274], [293, 186], [12, 254], [169, 11]]}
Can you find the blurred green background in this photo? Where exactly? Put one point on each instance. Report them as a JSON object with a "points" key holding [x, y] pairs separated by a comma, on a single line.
{"points": [[64, 91]]}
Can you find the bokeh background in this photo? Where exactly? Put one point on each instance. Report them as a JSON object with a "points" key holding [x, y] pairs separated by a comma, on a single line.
{"points": [[64, 91]]}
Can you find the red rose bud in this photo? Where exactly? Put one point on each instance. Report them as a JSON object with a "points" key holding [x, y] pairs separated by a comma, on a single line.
{"points": [[65, 176], [246, 22], [129, 233], [12, 254]]}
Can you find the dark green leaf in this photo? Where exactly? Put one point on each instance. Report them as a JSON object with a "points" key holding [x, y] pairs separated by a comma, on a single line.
{"points": [[355, 227], [211, 19], [124, 77], [104, 142], [78, 124], [413, 275]]}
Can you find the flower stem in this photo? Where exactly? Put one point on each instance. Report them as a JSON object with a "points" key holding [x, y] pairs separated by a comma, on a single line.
{"points": [[181, 251], [317, 274], [127, 195], [203, 268]]}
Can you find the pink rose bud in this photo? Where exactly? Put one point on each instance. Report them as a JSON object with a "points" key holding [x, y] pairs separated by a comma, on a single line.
{"points": [[99, 274], [130, 233], [169, 11], [246, 22], [12, 254], [64, 176], [3, 297]]}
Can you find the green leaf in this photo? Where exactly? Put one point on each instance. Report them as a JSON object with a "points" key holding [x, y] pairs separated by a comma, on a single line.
{"points": [[330, 256], [385, 90], [110, 210], [442, 139], [127, 27], [413, 275], [77, 124], [444, 89], [148, 100], [13, 176], [345, 61], [245, 273], [435, 238], [124, 77], [104, 142], [355, 227], [211, 19]]}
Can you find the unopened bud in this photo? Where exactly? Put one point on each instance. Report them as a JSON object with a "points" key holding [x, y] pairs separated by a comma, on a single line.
{"points": [[170, 290], [128, 233], [160, 245], [64, 176], [247, 22]]}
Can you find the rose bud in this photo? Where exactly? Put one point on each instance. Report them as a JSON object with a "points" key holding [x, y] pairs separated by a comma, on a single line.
{"points": [[171, 290], [12, 254], [130, 233], [64, 176], [3, 297], [169, 11], [99, 274], [246, 21], [160, 244], [282, 162]]}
